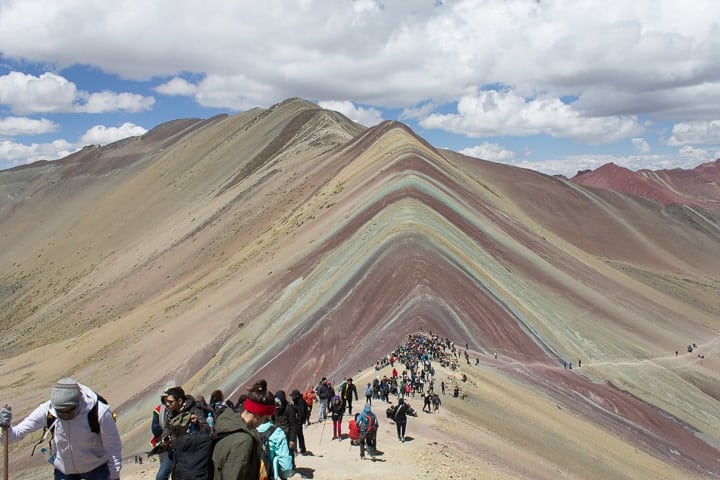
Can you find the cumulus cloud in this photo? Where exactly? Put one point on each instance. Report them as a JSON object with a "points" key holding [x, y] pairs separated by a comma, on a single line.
{"points": [[12, 126], [495, 113], [364, 116], [102, 135], [490, 151], [51, 93], [420, 50], [13, 154], [177, 87], [640, 144], [698, 132]]}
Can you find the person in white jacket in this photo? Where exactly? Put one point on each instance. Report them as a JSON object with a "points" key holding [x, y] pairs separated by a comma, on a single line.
{"points": [[79, 452]]}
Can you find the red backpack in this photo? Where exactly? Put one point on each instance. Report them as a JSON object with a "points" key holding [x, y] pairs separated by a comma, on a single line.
{"points": [[354, 433]]}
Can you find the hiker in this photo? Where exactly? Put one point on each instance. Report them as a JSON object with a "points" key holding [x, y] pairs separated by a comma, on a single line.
{"points": [[278, 454], [368, 425], [368, 394], [347, 392], [217, 403], [403, 410], [354, 430], [456, 391], [302, 412], [427, 402], [323, 395], [237, 452], [436, 402], [286, 417], [191, 439], [85, 438], [173, 399], [157, 427], [337, 409], [442, 387], [309, 396]]}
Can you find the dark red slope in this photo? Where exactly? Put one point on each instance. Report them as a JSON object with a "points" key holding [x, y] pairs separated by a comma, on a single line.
{"points": [[699, 186]]}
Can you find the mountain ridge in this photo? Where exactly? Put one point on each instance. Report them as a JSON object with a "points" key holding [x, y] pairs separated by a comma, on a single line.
{"points": [[245, 244]]}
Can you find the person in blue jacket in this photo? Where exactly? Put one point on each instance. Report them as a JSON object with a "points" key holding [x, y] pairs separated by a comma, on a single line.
{"points": [[280, 455]]}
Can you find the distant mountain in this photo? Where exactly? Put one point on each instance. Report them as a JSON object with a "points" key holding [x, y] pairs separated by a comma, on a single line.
{"points": [[699, 186], [291, 243]]}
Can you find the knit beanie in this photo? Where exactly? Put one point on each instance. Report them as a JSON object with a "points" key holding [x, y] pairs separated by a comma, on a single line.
{"points": [[65, 394]]}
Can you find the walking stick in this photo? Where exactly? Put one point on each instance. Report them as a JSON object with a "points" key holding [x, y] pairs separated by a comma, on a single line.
{"points": [[6, 472], [321, 432], [5, 440]]}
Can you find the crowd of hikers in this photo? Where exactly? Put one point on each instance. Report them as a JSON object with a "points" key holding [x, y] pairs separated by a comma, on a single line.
{"points": [[256, 436]]}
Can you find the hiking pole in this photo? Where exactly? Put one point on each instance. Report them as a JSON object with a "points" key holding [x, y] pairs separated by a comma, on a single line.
{"points": [[6, 440], [321, 432], [6, 471]]}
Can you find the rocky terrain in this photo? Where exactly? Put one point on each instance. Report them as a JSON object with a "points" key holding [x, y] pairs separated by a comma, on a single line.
{"points": [[291, 243]]}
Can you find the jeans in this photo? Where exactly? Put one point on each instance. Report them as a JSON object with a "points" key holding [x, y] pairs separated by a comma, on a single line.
{"points": [[166, 465], [100, 473], [322, 414]]}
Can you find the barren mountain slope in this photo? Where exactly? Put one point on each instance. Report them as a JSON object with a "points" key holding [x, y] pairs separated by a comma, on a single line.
{"points": [[291, 243]]}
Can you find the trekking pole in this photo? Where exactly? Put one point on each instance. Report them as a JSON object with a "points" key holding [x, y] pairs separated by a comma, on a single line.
{"points": [[5, 441], [6, 471], [321, 432]]}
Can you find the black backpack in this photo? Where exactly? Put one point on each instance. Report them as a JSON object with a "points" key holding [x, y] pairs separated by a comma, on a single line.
{"points": [[265, 451]]}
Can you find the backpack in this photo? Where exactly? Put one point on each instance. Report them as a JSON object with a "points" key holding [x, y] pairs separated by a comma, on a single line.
{"points": [[368, 424], [368, 391], [267, 472], [354, 432]]}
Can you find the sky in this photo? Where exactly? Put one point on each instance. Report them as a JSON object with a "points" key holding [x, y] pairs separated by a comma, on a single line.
{"points": [[554, 86]]}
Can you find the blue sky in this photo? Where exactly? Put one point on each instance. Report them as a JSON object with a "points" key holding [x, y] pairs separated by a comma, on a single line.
{"points": [[556, 86]]}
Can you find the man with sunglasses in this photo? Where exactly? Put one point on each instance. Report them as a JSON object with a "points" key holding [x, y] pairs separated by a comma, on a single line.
{"points": [[79, 452]]}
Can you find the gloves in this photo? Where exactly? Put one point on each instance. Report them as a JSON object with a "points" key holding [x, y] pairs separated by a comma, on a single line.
{"points": [[6, 416]]}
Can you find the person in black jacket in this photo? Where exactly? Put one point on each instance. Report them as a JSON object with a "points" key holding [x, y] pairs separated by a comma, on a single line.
{"points": [[302, 412], [286, 417], [403, 410], [192, 442], [347, 392]]}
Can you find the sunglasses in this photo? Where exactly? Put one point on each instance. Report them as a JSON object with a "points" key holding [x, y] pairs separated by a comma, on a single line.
{"points": [[67, 413]]}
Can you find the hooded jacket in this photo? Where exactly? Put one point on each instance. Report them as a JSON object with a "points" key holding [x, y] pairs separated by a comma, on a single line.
{"points": [[237, 452], [279, 452], [286, 416], [367, 411], [77, 448], [193, 443]]}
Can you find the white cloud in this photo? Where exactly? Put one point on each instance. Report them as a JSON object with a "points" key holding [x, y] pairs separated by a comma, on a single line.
{"points": [[102, 102], [11, 126], [13, 154], [490, 151], [177, 86], [51, 93], [30, 94], [102, 135], [698, 132], [420, 50], [364, 116], [493, 113], [641, 145], [571, 164]]}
